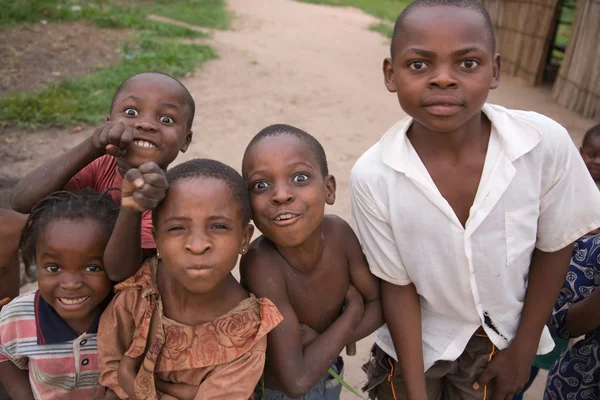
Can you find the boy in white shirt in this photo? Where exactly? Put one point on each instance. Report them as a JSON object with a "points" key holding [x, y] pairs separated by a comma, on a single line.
{"points": [[467, 212]]}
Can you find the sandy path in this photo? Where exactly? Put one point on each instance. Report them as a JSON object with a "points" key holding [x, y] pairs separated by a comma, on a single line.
{"points": [[318, 68]]}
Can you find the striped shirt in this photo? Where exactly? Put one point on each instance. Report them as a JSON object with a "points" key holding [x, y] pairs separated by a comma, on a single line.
{"points": [[62, 364]]}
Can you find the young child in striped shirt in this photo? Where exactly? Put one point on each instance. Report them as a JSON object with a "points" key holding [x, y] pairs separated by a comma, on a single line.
{"points": [[48, 347]]}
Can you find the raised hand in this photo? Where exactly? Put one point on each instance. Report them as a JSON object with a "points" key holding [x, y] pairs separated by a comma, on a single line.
{"points": [[144, 187], [112, 138]]}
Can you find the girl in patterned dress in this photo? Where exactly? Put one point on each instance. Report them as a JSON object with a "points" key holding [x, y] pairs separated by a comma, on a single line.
{"points": [[183, 327]]}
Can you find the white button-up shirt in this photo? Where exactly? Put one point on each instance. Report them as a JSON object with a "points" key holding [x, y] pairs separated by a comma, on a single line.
{"points": [[535, 192]]}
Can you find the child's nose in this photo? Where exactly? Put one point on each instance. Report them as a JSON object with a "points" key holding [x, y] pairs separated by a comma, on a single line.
{"points": [[442, 79], [198, 244], [71, 282], [146, 126], [282, 195]]}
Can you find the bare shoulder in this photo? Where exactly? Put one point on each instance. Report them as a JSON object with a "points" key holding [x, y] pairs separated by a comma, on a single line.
{"points": [[341, 231], [336, 225], [260, 265]]}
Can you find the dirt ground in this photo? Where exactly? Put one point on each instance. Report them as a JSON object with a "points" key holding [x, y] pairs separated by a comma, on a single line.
{"points": [[315, 67], [36, 54]]}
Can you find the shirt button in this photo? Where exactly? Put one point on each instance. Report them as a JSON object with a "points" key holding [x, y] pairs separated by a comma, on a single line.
{"points": [[85, 361], [83, 342]]}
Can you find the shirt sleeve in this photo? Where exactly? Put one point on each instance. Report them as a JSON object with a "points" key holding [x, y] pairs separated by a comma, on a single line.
{"points": [[146, 234], [86, 178], [374, 232], [580, 281], [10, 335], [115, 335], [570, 200], [234, 380]]}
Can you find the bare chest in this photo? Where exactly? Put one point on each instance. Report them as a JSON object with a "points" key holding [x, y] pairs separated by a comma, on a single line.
{"points": [[458, 185], [318, 299]]}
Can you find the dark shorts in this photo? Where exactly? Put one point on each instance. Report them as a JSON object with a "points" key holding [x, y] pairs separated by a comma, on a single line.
{"points": [[446, 380], [328, 388]]}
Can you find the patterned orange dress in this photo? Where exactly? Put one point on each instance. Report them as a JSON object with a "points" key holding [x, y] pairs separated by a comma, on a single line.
{"points": [[224, 357]]}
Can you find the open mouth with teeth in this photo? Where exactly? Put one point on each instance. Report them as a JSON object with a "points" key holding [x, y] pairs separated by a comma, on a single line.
{"points": [[72, 301], [285, 217], [144, 144]]}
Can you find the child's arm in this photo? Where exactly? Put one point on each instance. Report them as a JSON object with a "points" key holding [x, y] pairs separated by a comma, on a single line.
{"points": [[180, 391], [15, 381], [234, 380], [510, 368], [584, 316], [577, 311], [298, 368], [366, 283], [126, 372], [142, 190], [11, 224], [112, 138], [406, 333]]}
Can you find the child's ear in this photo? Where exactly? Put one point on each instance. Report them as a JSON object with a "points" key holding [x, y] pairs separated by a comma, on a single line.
{"points": [[330, 186], [186, 142], [248, 232], [388, 75], [496, 78]]}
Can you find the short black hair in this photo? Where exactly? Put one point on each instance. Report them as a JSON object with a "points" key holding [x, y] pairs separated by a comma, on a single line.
{"points": [[188, 97], [592, 132], [283, 129], [79, 205], [474, 5], [205, 168]]}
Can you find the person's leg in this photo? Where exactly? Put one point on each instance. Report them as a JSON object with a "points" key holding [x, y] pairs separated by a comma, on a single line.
{"points": [[471, 363], [385, 382]]}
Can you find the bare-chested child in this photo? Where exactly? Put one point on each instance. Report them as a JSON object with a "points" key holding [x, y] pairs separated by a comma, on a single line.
{"points": [[309, 264]]}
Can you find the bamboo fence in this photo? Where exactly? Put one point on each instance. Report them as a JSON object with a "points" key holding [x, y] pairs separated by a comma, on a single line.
{"points": [[577, 86], [524, 35]]}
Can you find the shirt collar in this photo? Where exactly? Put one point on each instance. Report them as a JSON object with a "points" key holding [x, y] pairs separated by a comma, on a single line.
{"points": [[52, 329], [517, 137]]}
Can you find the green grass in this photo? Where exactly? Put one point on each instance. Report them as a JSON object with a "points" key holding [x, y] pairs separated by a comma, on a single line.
{"points": [[87, 99], [563, 32], [111, 14], [150, 47], [387, 10], [209, 13], [386, 29]]}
